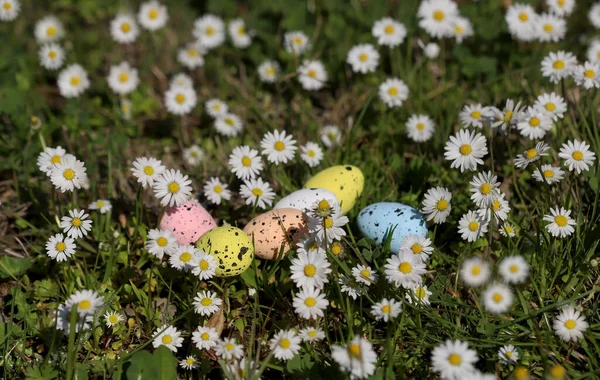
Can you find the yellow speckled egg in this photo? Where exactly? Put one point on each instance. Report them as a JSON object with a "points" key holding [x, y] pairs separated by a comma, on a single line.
{"points": [[231, 247], [276, 229], [345, 181]]}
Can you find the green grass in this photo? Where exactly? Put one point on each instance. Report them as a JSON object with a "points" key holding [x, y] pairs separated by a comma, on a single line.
{"points": [[487, 68]]}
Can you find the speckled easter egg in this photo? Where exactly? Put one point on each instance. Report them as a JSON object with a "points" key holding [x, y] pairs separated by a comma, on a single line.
{"points": [[188, 221], [345, 181], [376, 220], [304, 199], [276, 230], [231, 247]]}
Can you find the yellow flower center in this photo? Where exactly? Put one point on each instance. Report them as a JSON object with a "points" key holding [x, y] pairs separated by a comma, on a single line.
{"points": [[496, 205], [508, 116], [55, 160], [577, 155], [125, 27], [497, 297], [210, 31], [570, 324], [312, 333], [85, 305], [205, 336], [113, 319], [173, 187], [312, 73], [531, 153], [561, 3], [167, 339], [60, 246], [279, 146], [216, 107], [420, 126], [190, 361], [523, 17], [229, 121], [548, 28], [204, 265], [550, 107], [51, 31], [365, 273], [270, 71], [454, 359], [51, 54], [485, 188], [513, 268], [123, 77], [386, 309], [7, 6], [534, 122], [420, 292], [76, 222], [206, 301], [310, 270], [229, 346], [389, 29], [508, 354], [548, 173], [161, 241], [75, 81], [310, 302], [560, 220], [192, 52], [476, 115], [185, 257], [508, 229], [333, 135], [180, 98], [589, 74], [298, 40], [311, 153], [416, 248], [194, 154], [521, 373], [559, 64], [458, 29], [246, 161], [393, 91], [148, 170], [153, 14], [405, 267], [336, 248], [241, 31], [363, 57], [476, 270], [69, 174], [328, 223], [441, 205], [218, 189], [558, 371], [257, 192], [100, 204], [465, 149], [438, 15], [473, 226], [354, 350], [285, 343]]}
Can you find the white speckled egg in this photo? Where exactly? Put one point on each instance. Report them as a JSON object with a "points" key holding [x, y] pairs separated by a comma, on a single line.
{"points": [[188, 221], [304, 199], [231, 247], [276, 230], [345, 181]]}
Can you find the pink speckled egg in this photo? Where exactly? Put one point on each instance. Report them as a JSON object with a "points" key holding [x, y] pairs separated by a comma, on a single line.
{"points": [[187, 222]]}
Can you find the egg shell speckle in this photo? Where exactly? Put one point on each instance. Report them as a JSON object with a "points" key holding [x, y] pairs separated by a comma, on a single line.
{"points": [[304, 199], [276, 229], [375, 221], [188, 221], [231, 248], [345, 181]]}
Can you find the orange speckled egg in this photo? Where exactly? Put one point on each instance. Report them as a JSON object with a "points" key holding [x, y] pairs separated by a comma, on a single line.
{"points": [[188, 221], [276, 229]]}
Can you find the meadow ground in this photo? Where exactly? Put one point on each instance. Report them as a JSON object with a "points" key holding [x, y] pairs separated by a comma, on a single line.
{"points": [[481, 115]]}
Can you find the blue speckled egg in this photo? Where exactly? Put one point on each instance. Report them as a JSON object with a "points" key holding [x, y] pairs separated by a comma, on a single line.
{"points": [[375, 221]]}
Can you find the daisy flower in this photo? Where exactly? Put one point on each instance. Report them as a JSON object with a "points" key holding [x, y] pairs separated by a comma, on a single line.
{"points": [[393, 92], [331, 136], [389, 32], [514, 269], [170, 338], [172, 188], [418, 293], [205, 337], [436, 204], [87, 301], [508, 354], [102, 205], [216, 108], [471, 226], [507, 230], [497, 298], [508, 117], [521, 20], [419, 128], [309, 303], [561, 224], [570, 324], [181, 257], [363, 58], [257, 192], [594, 15], [63, 320], [531, 155], [587, 75], [329, 228], [193, 155], [312, 75], [228, 349], [49, 158], [123, 79], [72, 81], [278, 147], [431, 49], [49, 29], [189, 363], [558, 65], [209, 30], [180, 100], [206, 303], [76, 225], [191, 56], [552, 104], [152, 15], [68, 174], [418, 245], [203, 265], [474, 115], [238, 33], [535, 124], [561, 7], [466, 150], [350, 286], [268, 71], [593, 53], [113, 318], [160, 242], [485, 188], [453, 359], [9, 9], [285, 344], [296, 42], [311, 334], [243, 369], [229, 124], [461, 28], [147, 170], [60, 248], [499, 208], [216, 191], [386, 309], [364, 274], [357, 358], [556, 372], [245, 162], [548, 174], [437, 17], [124, 29], [475, 271], [52, 56], [181, 80], [404, 269], [550, 27], [577, 155], [311, 153], [310, 270]]}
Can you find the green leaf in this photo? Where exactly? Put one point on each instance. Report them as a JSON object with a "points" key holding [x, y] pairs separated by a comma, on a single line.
{"points": [[166, 364], [81, 372], [141, 366], [13, 266], [44, 372], [249, 277], [45, 289]]}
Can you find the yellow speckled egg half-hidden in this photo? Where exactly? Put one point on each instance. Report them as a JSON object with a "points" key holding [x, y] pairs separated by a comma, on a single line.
{"points": [[231, 248], [345, 181]]}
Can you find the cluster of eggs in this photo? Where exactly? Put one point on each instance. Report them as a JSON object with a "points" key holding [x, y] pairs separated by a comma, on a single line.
{"points": [[272, 234]]}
